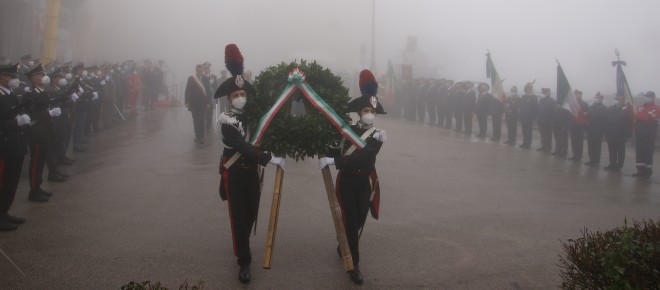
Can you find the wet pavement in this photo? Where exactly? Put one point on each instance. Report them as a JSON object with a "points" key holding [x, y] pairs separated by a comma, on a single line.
{"points": [[456, 213]]}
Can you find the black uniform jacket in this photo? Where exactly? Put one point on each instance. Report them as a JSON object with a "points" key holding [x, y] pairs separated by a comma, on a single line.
{"points": [[196, 96], [41, 130], [529, 106], [361, 161], [12, 137]]}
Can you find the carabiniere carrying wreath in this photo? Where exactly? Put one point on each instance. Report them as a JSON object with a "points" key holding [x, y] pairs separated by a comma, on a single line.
{"points": [[302, 135]]}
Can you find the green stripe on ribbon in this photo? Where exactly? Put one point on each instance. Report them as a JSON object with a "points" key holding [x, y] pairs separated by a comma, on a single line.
{"points": [[297, 80]]}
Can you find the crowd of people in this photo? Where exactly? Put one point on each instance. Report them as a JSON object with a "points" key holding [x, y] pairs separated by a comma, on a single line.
{"points": [[455, 105], [48, 109]]}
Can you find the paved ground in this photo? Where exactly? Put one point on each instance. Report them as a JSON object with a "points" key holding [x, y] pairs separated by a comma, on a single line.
{"points": [[457, 213]]}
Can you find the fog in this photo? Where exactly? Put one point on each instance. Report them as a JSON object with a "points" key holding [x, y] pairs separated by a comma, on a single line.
{"points": [[524, 37]]}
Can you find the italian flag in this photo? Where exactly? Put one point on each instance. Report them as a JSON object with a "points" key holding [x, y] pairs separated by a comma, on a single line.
{"points": [[495, 82], [566, 95]]}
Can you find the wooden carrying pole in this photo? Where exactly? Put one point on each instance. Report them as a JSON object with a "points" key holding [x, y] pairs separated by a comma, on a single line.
{"points": [[274, 213], [336, 217]]}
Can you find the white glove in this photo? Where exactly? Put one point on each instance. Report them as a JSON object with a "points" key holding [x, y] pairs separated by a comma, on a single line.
{"points": [[54, 112], [96, 96], [325, 161], [103, 82], [380, 135], [279, 161], [74, 97], [23, 120], [107, 78], [27, 89], [80, 90]]}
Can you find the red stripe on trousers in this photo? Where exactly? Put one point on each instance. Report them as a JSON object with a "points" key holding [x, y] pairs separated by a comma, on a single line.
{"points": [[35, 162]]}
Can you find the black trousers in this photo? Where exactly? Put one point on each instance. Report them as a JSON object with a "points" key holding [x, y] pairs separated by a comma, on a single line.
{"points": [[243, 194], [38, 157], [645, 135], [482, 119], [497, 126], [617, 150], [447, 113], [561, 141], [198, 116], [10, 174], [432, 110], [577, 140], [545, 130], [421, 111], [79, 121], [354, 192], [209, 118], [511, 127], [467, 121], [58, 145], [458, 116], [526, 128], [594, 145]]}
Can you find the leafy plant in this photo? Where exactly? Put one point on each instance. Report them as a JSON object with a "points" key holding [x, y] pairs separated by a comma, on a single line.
{"points": [[626, 257], [297, 136], [147, 285]]}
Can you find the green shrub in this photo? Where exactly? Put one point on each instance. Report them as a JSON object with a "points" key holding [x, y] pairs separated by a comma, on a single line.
{"points": [[146, 285], [626, 257]]}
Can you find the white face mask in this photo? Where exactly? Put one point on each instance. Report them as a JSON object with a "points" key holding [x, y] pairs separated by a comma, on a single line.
{"points": [[239, 103], [61, 82], [14, 83], [367, 118], [45, 80], [84, 73], [31, 63], [69, 76]]}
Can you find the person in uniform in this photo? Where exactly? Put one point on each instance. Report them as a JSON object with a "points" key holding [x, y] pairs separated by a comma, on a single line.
{"points": [[561, 119], [240, 161], [597, 125], [578, 128], [496, 110], [546, 110], [13, 145], [197, 101], [484, 103], [357, 187], [529, 106], [646, 130], [85, 95], [469, 104], [619, 130], [41, 132], [457, 96], [511, 115], [58, 92], [447, 109], [209, 81]]}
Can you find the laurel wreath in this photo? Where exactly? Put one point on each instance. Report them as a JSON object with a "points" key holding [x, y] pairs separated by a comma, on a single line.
{"points": [[297, 136]]}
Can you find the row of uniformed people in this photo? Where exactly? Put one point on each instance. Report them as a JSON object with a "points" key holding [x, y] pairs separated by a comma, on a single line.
{"points": [[43, 113], [454, 105]]}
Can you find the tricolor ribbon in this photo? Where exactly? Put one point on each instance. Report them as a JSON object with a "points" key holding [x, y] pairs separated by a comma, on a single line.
{"points": [[297, 81]]}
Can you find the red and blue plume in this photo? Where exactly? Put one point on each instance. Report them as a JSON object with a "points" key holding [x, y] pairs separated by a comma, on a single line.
{"points": [[233, 60], [368, 84]]}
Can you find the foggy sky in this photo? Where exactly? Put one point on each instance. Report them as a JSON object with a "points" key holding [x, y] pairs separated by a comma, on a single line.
{"points": [[525, 37]]}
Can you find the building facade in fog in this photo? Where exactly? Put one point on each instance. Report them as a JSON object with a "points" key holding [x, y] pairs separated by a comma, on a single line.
{"points": [[23, 25]]}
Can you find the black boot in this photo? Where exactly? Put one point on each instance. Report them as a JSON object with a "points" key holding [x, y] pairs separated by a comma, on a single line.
{"points": [[6, 225], [244, 274], [37, 196], [356, 276], [12, 219]]}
